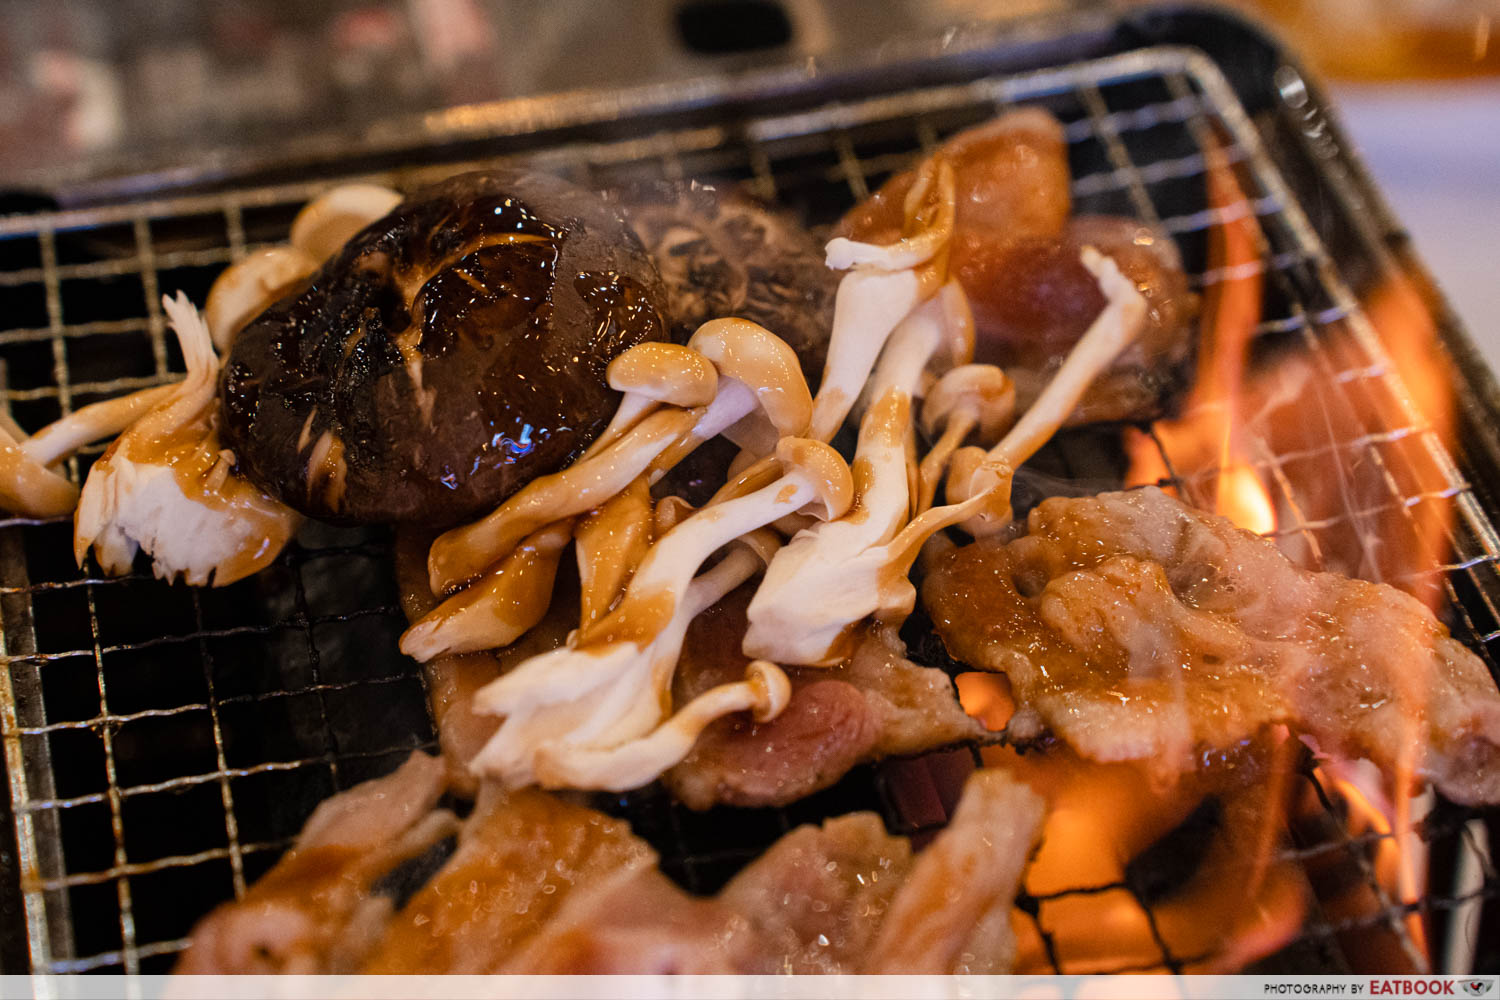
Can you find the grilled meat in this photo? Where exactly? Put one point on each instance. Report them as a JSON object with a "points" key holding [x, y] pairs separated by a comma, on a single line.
{"points": [[877, 704], [540, 885], [316, 911], [1016, 253], [1136, 628]]}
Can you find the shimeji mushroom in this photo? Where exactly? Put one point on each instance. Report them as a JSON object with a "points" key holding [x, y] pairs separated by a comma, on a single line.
{"points": [[583, 699], [885, 284], [764, 693], [610, 543], [499, 607], [758, 379], [1116, 326], [331, 219], [821, 605], [247, 287], [938, 332], [28, 484], [460, 555], [650, 375], [810, 602], [762, 395], [964, 400], [166, 485]]}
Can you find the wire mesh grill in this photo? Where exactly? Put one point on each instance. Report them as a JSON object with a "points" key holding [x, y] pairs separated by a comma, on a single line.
{"points": [[165, 743]]}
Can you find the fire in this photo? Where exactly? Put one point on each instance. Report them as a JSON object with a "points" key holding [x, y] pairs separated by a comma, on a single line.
{"points": [[1111, 885], [1301, 425], [1207, 441]]}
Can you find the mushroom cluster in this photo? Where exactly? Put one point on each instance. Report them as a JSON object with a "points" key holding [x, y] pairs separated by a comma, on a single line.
{"points": [[597, 712]]}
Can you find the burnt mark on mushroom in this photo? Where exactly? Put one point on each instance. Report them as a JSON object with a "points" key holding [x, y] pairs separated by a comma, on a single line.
{"points": [[448, 354]]}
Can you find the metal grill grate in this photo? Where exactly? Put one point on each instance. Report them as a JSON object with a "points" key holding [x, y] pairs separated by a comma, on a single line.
{"points": [[163, 744]]}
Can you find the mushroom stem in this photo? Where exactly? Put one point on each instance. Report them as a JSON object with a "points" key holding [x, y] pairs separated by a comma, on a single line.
{"points": [[649, 375], [1116, 326], [611, 542], [931, 468], [94, 422], [29, 487], [811, 618], [575, 698], [811, 471], [886, 283], [498, 608], [966, 398], [867, 308], [764, 693], [461, 554]]}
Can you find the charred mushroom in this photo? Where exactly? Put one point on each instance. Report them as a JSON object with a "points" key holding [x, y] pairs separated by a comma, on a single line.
{"points": [[446, 355]]}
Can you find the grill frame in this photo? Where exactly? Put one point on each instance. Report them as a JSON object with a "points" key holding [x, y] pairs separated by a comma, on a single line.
{"points": [[1204, 97]]}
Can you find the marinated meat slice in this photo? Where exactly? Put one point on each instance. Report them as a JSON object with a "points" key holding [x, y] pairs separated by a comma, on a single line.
{"points": [[519, 857], [818, 895], [1136, 628], [641, 925], [723, 253], [538, 884], [316, 911], [951, 915], [875, 705], [1033, 299], [452, 351]]}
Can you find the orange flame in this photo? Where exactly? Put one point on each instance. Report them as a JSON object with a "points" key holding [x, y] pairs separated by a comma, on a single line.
{"points": [[1238, 903], [1208, 437]]}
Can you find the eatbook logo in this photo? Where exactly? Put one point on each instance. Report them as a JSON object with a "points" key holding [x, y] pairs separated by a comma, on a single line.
{"points": [[1477, 987]]}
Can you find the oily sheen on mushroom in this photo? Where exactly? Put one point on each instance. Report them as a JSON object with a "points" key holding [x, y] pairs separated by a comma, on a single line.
{"points": [[449, 353]]}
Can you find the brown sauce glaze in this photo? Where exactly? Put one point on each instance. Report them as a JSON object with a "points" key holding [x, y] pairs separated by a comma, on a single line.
{"points": [[457, 348]]}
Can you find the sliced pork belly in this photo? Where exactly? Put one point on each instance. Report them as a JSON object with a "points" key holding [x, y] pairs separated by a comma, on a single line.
{"points": [[952, 912], [875, 705], [539, 884], [1137, 628], [316, 911], [818, 895], [520, 856]]}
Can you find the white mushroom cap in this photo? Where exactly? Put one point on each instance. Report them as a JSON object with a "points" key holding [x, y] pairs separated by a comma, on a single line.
{"points": [[664, 373], [764, 363], [327, 222], [650, 375], [982, 394]]}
